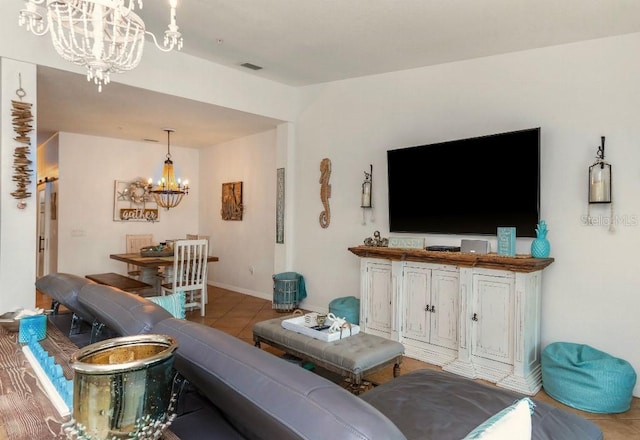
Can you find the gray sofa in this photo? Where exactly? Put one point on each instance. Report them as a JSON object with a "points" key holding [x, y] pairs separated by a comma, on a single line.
{"points": [[233, 390]]}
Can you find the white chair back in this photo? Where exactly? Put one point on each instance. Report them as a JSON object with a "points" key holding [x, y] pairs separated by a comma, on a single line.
{"points": [[198, 237], [135, 242], [190, 271]]}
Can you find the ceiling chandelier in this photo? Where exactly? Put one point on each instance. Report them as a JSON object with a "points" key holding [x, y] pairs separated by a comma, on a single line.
{"points": [[169, 191], [105, 36]]}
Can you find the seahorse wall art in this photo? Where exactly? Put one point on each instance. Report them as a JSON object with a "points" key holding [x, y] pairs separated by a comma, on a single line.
{"points": [[325, 192]]}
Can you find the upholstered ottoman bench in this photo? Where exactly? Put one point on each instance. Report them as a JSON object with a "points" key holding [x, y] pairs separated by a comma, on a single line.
{"points": [[353, 357]]}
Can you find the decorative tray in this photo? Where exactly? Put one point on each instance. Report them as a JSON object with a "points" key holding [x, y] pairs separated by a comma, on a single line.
{"points": [[299, 325], [156, 251]]}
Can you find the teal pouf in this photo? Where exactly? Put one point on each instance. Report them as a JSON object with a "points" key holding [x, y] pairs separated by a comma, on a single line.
{"points": [[347, 307], [587, 379]]}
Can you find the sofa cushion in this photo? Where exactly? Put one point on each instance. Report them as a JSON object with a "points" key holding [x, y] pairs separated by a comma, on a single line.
{"points": [[64, 288], [123, 312], [263, 396], [451, 406]]}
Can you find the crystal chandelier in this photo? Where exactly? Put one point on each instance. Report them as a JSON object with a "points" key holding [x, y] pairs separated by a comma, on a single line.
{"points": [[105, 36], [169, 191]]}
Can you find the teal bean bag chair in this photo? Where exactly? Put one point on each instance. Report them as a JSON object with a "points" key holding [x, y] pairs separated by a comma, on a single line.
{"points": [[587, 379]]}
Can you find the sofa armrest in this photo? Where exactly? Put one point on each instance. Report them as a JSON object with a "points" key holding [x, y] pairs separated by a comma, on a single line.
{"points": [[123, 312], [260, 393], [64, 289]]}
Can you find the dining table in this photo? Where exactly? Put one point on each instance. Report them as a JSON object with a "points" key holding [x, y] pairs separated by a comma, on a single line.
{"points": [[150, 266]]}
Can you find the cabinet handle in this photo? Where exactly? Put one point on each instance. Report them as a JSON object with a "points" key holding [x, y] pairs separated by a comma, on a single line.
{"points": [[475, 317], [430, 309], [433, 309], [426, 309]]}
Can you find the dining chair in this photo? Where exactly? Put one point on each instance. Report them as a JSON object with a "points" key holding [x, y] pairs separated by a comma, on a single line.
{"points": [[198, 237], [190, 273], [135, 242]]}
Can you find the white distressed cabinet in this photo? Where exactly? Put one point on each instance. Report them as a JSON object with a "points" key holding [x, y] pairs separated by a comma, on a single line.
{"points": [[475, 315], [429, 320], [376, 298]]}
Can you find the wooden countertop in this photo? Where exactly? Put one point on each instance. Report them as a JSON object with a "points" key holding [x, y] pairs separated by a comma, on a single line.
{"points": [[519, 263]]}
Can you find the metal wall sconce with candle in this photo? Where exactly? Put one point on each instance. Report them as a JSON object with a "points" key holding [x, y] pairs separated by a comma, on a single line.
{"points": [[366, 195], [599, 191], [600, 178]]}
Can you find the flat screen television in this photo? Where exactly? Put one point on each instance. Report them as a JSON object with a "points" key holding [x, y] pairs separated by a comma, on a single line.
{"points": [[467, 186]]}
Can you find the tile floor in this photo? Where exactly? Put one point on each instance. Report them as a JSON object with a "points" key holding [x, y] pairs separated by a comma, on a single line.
{"points": [[235, 313]]}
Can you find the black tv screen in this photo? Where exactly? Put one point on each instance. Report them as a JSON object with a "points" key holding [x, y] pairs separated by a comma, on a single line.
{"points": [[467, 186]]}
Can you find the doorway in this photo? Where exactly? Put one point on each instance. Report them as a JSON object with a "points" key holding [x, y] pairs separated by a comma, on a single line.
{"points": [[47, 258]]}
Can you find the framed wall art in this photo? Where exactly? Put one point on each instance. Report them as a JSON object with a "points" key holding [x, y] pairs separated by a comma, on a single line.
{"points": [[232, 201], [133, 203], [280, 206]]}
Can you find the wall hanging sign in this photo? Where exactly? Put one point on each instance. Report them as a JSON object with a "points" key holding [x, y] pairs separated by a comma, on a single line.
{"points": [[133, 203], [325, 192], [280, 206], [232, 207]]}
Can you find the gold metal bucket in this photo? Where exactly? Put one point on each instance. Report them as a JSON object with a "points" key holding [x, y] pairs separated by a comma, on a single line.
{"points": [[122, 388]]}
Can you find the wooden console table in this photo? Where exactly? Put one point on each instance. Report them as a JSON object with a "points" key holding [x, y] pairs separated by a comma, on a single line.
{"points": [[476, 315], [26, 413]]}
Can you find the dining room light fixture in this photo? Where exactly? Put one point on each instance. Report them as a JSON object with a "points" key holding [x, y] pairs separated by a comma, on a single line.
{"points": [[105, 36], [169, 191]]}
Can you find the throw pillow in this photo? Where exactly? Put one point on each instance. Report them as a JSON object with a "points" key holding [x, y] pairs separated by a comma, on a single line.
{"points": [[512, 423], [173, 303]]}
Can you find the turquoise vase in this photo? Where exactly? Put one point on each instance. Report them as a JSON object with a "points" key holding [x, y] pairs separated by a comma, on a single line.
{"points": [[540, 246]]}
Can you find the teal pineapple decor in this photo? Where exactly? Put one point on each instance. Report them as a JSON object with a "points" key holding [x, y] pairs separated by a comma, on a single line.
{"points": [[540, 246]]}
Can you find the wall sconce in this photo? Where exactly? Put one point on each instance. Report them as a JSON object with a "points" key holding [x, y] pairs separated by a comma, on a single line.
{"points": [[365, 201], [600, 178], [366, 195]]}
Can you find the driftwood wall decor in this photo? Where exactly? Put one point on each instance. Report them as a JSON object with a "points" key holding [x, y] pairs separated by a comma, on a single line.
{"points": [[325, 192], [22, 118]]}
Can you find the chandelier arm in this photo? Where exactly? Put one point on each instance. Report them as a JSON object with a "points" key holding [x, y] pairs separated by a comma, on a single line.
{"points": [[173, 42]]}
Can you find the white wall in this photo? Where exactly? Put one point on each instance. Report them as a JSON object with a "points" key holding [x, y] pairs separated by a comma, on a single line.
{"points": [[245, 248], [89, 166], [17, 226], [575, 93]]}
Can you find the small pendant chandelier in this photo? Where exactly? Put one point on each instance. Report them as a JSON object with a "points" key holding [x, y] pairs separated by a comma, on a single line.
{"points": [[169, 191]]}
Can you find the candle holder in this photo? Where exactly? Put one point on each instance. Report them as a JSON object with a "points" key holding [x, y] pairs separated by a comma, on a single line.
{"points": [[366, 195], [600, 178], [365, 199]]}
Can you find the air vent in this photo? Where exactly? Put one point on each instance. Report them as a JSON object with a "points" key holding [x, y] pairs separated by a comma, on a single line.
{"points": [[251, 66]]}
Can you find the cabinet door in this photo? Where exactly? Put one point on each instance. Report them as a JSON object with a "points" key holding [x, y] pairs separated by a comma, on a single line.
{"points": [[445, 290], [379, 295], [492, 318], [417, 298]]}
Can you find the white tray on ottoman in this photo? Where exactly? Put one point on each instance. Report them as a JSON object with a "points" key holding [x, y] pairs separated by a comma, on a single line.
{"points": [[297, 324]]}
